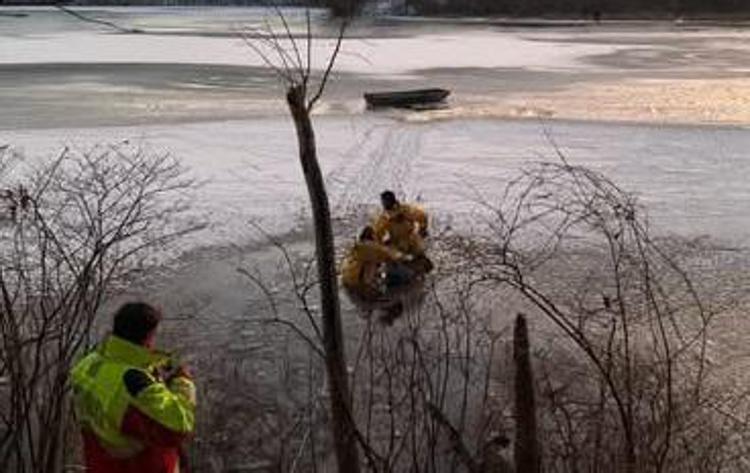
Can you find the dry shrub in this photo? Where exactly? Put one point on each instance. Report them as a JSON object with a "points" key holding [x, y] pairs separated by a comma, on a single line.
{"points": [[620, 341], [73, 228], [624, 379]]}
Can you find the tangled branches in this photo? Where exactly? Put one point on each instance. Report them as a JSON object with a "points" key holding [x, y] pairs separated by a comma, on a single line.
{"points": [[72, 229], [572, 245]]}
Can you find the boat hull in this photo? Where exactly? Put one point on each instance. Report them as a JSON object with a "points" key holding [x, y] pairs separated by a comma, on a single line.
{"points": [[407, 98]]}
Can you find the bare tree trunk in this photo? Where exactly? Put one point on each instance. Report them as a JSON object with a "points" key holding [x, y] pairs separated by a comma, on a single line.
{"points": [[343, 429], [526, 448], [344, 8]]}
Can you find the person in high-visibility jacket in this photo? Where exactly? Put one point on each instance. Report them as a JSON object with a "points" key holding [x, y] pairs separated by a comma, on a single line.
{"points": [[401, 226], [365, 260], [134, 416]]}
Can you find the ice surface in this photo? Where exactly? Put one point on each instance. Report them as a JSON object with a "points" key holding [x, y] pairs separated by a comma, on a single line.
{"points": [[387, 56], [692, 179]]}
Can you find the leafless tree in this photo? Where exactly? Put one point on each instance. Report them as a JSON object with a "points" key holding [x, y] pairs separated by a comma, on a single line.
{"points": [[567, 242], [72, 229], [292, 62]]}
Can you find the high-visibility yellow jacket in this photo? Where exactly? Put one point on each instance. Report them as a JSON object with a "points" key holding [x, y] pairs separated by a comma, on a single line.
{"points": [[119, 378], [360, 267], [402, 227]]}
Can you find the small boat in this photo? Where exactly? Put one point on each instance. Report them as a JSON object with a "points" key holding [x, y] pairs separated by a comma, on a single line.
{"points": [[407, 98]]}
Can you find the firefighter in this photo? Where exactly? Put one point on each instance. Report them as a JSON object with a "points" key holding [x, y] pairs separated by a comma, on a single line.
{"points": [[401, 226], [136, 406], [365, 262]]}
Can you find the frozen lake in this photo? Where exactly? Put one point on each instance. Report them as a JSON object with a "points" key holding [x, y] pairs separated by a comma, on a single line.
{"points": [[191, 87], [693, 180]]}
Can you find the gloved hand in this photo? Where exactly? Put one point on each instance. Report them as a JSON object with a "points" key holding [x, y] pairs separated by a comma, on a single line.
{"points": [[180, 371]]}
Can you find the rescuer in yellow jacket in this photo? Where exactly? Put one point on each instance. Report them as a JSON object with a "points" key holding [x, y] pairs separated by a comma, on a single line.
{"points": [[363, 263], [134, 415], [401, 226]]}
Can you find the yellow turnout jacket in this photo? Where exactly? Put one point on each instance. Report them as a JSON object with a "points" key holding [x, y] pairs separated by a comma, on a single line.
{"points": [[360, 267], [101, 398], [401, 228]]}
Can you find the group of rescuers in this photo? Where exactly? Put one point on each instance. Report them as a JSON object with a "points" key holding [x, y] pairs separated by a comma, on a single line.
{"points": [[389, 253], [136, 405]]}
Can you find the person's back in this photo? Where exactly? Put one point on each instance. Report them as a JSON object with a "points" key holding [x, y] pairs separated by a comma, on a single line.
{"points": [[131, 419], [417, 216], [401, 226], [397, 230]]}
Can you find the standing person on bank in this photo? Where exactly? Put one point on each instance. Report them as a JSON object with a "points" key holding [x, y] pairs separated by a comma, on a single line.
{"points": [[134, 414]]}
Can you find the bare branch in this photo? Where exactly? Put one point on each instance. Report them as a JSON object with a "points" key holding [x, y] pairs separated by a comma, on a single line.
{"points": [[329, 67], [86, 19]]}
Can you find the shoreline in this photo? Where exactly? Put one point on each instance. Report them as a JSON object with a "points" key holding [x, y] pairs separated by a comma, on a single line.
{"points": [[412, 120], [635, 15]]}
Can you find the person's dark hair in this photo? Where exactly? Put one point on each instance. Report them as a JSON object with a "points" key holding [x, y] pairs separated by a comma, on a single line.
{"points": [[134, 321], [388, 199], [367, 234]]}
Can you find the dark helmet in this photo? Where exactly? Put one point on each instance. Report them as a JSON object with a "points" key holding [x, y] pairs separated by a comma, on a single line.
{"points": [[367, 234], [388, 199]]}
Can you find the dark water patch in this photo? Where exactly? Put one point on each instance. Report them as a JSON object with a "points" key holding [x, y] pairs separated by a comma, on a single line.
{"points": [[136, 74]]}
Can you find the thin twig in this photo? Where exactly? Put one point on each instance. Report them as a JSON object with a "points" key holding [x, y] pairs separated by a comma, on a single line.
{"points": [[86, 19], [329, 67]]}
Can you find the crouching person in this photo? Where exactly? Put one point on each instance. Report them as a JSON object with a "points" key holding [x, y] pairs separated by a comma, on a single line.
{"points": [[366, 260], [134, 417]]}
